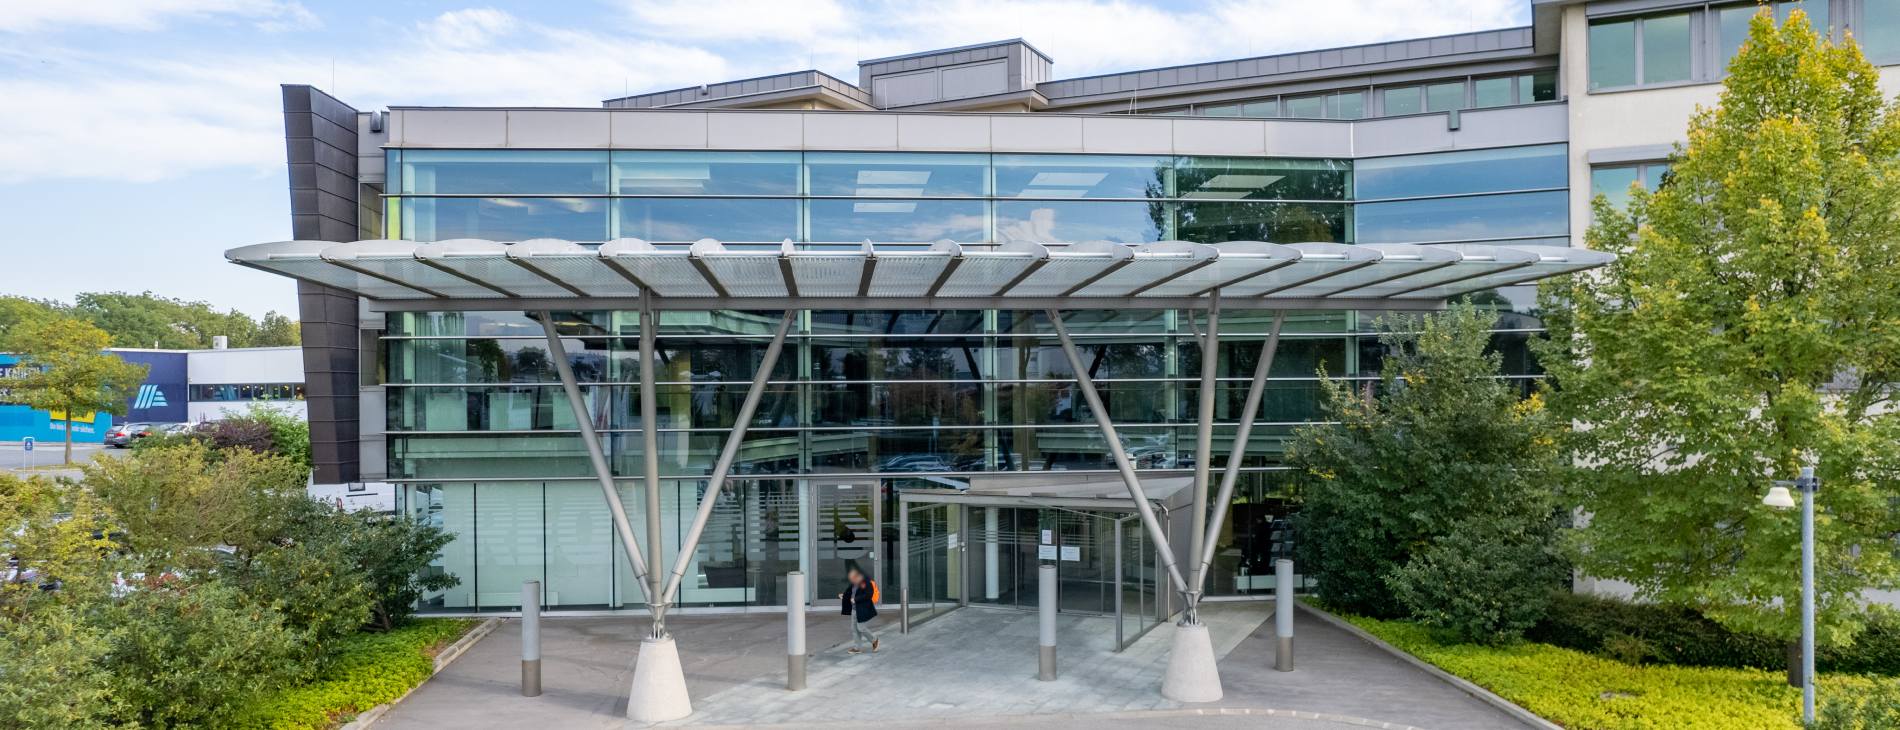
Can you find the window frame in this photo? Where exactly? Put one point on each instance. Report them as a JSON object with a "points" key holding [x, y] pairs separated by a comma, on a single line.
{"points": [[1707, 61]]}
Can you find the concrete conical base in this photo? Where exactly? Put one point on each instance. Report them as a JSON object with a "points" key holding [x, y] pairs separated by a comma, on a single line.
{"points": [[1192, 675], [659, 684]]}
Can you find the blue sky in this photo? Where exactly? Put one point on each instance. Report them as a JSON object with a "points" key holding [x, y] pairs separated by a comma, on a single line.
{"points": [[139, 139]]}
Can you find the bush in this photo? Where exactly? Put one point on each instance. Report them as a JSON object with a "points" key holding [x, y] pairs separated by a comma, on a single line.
{"points": [[313, 585], [367, 670], [1659, 634], [1486, 581], [48, 666], [1876, 709], [389, 554], [1587, 692], [193, 654]]}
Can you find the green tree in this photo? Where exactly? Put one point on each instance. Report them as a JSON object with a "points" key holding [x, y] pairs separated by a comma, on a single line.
{"points": [[55, 534], [15, 311], [149, 320], [178, 502], [1442, 453], [1749, 327], [64, 368]]}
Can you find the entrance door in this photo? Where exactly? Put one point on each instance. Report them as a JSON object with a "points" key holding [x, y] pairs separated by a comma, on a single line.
{"points": [[932, 575], [845, 534], [1011, 543]]}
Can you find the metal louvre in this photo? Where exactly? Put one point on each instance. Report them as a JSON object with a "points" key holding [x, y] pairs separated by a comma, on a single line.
{"points": [[1095, 274]]}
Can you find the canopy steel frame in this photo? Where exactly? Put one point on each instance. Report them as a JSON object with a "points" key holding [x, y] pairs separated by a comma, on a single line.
{"points": [[650, 465]]}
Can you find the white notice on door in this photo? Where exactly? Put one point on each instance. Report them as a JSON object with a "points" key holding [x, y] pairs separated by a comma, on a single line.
{"points": [[1048, 537], [1046, 552], [1071, 554]]}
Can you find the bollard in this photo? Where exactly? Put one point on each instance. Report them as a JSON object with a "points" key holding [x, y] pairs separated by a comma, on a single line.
{"points": [[531, 638], [1046, 610], [1283, 613], [795, 631]]}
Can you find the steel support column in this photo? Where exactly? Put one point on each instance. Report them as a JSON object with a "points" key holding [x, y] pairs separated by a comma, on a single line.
{"points": [[591, 440], [1203, 456], [723, 468], [1230, 475], [1127, 468], [650, 457]]}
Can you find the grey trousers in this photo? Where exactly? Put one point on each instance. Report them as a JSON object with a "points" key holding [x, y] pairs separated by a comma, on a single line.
{"points": [[861, 633]]}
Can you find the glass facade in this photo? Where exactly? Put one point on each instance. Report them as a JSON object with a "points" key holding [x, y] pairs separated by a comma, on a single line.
{"points": [[481, 438]]}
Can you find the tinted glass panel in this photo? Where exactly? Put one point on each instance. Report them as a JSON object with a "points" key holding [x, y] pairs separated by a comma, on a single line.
{"points": [[503, 172], [1273, 222], [1264, 108], [1048, 221], [1349, 105], [1401, 101], [1879, 31], [1666, 48], [898, 221], [1452, 173], [897, 175], [1613, 183], [1224, 110], [1079, 176], [1461, 219], [1492, 92], [1306, 107], [1445, 97], [1234, 178], [1613, 54], [705, 173], [1816, 10], [690, 219], [1540, 86], [1733, 29], [504, 219]]}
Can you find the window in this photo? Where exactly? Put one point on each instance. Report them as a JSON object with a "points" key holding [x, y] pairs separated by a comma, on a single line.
{"points": [[1082, 176], [1879, 30], [1444, 97], [1338, 105], [1259, 108], [1657, 49], [1492, 92], [1403, 100], [1732, 23], [1540, 86], [501, 172], [1306, 107], [1667, 51], [1614, 182], [1544, 167], [1613, 54], [705, 173]]}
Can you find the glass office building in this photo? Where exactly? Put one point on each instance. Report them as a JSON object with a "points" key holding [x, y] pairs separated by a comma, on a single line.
{"points": [[1490, 138]]}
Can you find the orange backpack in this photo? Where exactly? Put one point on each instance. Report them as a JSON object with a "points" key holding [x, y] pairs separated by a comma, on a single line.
{"points": [[877, 596]]}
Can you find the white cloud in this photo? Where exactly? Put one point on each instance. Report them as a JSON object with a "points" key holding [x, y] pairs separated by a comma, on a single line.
{"points": [[778, 20], [145, 15], [102, 118]]}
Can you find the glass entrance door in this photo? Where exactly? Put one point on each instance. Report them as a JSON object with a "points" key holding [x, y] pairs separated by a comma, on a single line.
{"points": [[844, 534], [932, 576]]}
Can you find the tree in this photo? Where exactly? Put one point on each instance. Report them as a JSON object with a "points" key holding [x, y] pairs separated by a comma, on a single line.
{"points": [[179, 502], [148, 320], [15, 311], [65, 369], [56, 535], [1444, 454], [1748, 328]]}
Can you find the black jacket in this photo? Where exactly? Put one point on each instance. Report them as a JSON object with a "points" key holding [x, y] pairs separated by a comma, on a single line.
{"points": [[860, 601]]}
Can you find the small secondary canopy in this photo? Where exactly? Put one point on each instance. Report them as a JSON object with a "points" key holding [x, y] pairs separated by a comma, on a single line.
{"points": [[471, 273]]}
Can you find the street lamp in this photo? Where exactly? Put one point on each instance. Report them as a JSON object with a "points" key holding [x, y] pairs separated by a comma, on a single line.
{"points": [[1779, 498]]}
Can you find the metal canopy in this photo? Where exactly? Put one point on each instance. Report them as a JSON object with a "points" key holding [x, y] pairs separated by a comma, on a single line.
{"points": [[474, 274]]}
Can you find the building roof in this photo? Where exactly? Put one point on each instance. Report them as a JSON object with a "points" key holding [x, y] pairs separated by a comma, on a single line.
{"points": [[474, 274]]}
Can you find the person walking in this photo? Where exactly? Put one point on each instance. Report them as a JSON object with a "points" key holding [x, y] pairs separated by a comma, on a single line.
{"points": [[860, 598]]}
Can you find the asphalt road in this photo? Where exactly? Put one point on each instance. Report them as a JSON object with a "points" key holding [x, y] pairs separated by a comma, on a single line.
{"points": [[47, 454]]}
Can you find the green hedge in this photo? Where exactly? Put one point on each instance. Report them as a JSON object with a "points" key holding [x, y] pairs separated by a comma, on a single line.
{"points": [[368, 669], [1588, 692], [1654, 634]]}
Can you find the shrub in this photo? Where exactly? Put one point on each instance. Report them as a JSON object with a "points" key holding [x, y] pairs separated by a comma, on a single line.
{"points": [[193, 654], [315, 586], [1587, 692], [1875, 709], [1486, 581], [1660, 634], [367, 670], [389, 554], [48, 665]]}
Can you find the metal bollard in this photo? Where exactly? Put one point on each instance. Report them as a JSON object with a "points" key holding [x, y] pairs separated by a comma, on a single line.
{"points": [[1283, 614], [795, 631], [531, 638], [1046, 610]]}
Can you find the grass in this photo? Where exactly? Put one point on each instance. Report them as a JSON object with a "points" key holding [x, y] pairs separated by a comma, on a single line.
{"points": [[1588, 692], [369, 669]]}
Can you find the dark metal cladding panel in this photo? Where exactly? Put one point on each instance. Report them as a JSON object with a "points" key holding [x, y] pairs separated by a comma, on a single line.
{"points": [[320, 148]]}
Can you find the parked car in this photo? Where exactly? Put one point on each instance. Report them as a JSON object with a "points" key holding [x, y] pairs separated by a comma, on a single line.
{"points": [[177, 428], [122, 435]]}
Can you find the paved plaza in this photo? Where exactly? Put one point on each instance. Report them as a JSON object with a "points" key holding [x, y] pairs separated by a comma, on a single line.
{"points": [[974, 668]]}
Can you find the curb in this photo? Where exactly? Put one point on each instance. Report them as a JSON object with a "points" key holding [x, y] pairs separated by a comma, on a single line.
{"points": [[448, 655], [1084, 716], [1483, 695]]}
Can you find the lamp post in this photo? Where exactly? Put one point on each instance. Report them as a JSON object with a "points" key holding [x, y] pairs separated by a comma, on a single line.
{"points": [[1779, 498]]}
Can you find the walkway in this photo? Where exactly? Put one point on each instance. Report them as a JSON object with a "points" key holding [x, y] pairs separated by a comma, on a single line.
{"points": [[973, 668]]}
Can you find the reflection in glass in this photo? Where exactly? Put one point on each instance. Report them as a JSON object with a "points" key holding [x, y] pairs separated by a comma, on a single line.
{"points": [[1462, 219], [1403, 100], [1080, 176], [504, 219], [1613, 183], [1879, 31], [1667, 52], [683, 220], [1236, 178], [1445, 96], [891, 175], [1612, 54], [1491, 92], [1272, 222], [1540, 86], [1472, 171], [1068, 221], [898, 221], [705, 173], [502, 172]]}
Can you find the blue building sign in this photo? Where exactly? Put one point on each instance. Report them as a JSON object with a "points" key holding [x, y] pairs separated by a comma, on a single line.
{"points": [[162, 398]]}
